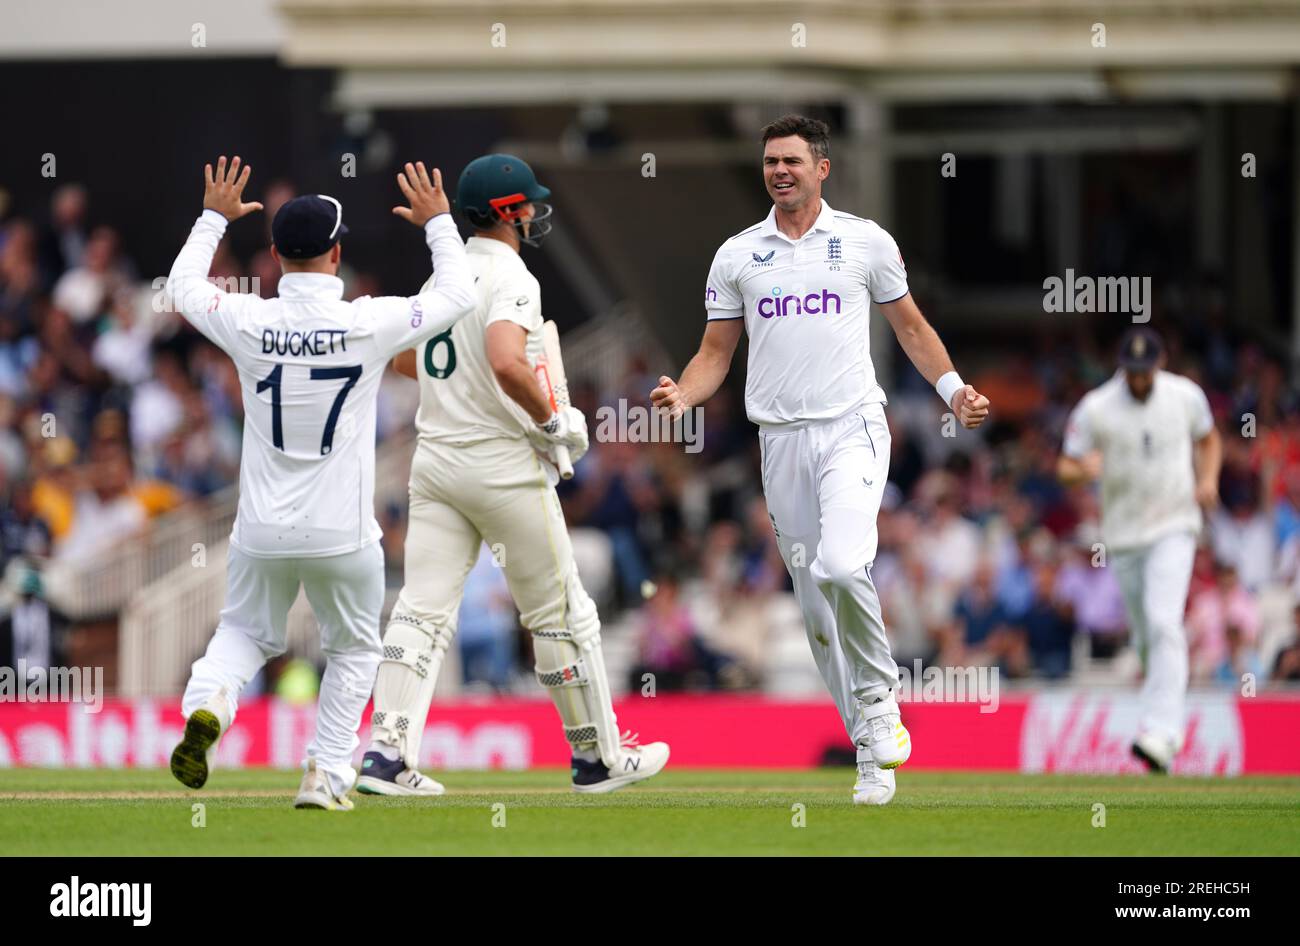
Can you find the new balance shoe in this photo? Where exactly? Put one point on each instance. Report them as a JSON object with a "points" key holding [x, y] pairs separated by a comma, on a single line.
{"points": [[382, 776], [636, 763]]}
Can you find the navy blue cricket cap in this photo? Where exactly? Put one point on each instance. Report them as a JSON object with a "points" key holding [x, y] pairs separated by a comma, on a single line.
{"points": [[307, 226], [1140, 350]]}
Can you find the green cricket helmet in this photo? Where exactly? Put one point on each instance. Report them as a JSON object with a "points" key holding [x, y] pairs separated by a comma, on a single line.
{"points": [[495, 187]]}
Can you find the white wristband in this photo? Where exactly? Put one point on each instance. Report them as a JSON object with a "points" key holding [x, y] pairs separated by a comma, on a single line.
{"points": [[948, 385]]}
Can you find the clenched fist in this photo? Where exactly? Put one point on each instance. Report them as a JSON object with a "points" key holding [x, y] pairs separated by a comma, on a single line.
{"points": [[668, 397], [970, 407]]}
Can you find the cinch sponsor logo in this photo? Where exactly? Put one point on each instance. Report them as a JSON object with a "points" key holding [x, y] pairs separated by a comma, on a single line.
{"points": [[815, 303], [710, 295]]}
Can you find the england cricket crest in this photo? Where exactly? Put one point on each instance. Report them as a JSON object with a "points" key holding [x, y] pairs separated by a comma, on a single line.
{"points": [[834, 253]]}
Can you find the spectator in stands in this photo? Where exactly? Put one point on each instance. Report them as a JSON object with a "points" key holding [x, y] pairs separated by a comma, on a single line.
{"points": [[63, 245], [22, 531], [83, 291], [949, 543], [1222, 628], [1242, 533], [19, 275], [123, 349], [982, 632], [1048, 626], [107, 512], [158, 407], [1091, 594], [18, 354], [30, 630], [669, 646]]}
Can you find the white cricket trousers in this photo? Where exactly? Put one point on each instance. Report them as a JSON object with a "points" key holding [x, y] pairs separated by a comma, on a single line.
{"points": [[346, 593], [824, 483], [1154, 580], [498, 492]]}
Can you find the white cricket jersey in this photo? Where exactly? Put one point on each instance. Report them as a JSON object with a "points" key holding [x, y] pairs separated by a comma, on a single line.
{"points": [[310, 366], [1148, 484], [460, 399], [806, 306]]}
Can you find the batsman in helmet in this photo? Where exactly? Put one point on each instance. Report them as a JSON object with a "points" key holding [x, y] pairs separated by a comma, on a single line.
{"points": [[485, 471]]}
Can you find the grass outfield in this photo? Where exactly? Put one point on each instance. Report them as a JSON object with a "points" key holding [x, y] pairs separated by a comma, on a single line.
{"points": [[683, 811]]}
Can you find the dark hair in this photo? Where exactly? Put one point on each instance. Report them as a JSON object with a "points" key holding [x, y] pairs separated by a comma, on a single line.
{"points": [[817, 134]]}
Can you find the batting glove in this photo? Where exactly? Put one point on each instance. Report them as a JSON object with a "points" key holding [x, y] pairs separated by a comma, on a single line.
{"points": [[567, 427]]}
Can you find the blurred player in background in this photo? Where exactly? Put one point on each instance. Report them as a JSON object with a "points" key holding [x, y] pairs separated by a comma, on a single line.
{"points": [[310, 365], [801, 283], [1149, 436], [478, 475]]}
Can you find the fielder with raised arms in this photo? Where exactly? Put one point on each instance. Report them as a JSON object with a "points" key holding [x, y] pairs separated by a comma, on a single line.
{"points": [[1149, 437], [801, 283], [479, 475], [309, 366]]}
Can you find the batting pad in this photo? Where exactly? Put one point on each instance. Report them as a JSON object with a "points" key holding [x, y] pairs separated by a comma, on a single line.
{"points": [[413, 653]]}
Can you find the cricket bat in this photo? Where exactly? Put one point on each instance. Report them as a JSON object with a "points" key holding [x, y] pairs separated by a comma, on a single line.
{"points": [[555, 385]]}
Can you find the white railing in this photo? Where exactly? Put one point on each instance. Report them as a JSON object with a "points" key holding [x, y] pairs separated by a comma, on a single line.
{"points": [[597, 352], [102, 585]]}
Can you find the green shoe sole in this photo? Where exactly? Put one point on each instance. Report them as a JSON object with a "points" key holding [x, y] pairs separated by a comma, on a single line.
{"points": [[190, 759]]}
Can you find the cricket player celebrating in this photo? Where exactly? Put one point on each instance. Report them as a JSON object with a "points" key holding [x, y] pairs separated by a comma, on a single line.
{"points": [[310, 365], [800, 283], [477, 476], [1149, 436]]}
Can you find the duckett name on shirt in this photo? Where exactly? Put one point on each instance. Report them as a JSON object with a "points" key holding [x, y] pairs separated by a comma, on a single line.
{"points": [[814, 303], [321, 341]]}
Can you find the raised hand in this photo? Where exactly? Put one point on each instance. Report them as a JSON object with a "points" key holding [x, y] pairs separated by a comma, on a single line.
{"points": [[426, 197], [224, 190]]}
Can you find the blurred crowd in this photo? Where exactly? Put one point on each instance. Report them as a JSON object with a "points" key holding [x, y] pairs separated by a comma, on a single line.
{"points": [[113, 411]]}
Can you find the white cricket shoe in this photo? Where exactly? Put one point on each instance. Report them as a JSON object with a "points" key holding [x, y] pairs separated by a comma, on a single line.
{"points": [[636, 763], [889, 741], [189, 761], [383, 776], [1156, 752], [315, 792], [875, 786]]}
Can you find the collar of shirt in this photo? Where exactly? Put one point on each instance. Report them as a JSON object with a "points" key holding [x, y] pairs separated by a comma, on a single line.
{"points": [[309, 286], [825, 221], [490, 246]]}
